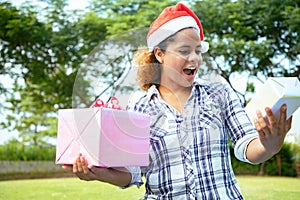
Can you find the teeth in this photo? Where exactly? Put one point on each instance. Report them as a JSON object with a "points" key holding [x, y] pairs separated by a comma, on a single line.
{"points": [[191, 68]]}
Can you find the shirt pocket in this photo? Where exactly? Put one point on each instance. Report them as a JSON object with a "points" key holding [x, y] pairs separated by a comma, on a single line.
{"points": [[159, 125], [211, 116]]}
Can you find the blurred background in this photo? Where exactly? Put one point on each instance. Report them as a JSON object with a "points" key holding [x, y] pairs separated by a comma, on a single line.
{"points": [[59, 54]]}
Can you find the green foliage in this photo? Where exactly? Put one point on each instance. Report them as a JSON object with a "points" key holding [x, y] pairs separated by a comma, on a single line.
{"points": [[287, 162], [296, 152], [15, 151], [259, 37], [242, 168], [43, 56], [250, 87], [124, 15], [271, 167], [43, 49]]}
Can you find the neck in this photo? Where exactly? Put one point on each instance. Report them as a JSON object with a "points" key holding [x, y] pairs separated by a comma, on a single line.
{"points": [[174, 91], [176, 98]]}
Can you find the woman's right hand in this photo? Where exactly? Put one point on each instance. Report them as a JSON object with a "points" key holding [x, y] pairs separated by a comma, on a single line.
{"points": [[115, 176], [81, 169]]}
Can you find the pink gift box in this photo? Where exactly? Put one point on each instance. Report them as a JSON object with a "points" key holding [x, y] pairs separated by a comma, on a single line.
{"points": [[105, 137]]}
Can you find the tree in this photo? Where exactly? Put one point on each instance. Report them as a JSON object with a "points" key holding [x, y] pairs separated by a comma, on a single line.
{"points": [[57, 44], [43, 57], [49, 54], [259, 37]]}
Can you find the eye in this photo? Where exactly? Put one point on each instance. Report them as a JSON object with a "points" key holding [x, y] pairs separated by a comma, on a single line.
{"points": [[198, 51], [184, 52]]}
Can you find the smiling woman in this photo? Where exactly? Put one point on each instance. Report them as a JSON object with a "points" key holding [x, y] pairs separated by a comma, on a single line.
{"points": [[191, 120], [180, 60]]}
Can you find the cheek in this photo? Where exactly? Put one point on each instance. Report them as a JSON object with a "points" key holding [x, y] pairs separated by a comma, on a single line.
{"points": [[174, 62], [178, 61], [200, 60], [177, 65]]}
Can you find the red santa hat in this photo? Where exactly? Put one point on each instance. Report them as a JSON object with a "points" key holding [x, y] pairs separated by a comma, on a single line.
{"points": [[171, 20]]}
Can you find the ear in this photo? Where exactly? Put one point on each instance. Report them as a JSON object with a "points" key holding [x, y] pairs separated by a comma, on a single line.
{"points": [[159, 54]]}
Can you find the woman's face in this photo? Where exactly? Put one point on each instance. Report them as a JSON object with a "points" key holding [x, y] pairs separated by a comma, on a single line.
{"points": [[181, 59]]}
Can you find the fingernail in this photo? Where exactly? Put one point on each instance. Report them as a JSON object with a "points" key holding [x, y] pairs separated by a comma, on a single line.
{"points": [[283, 108], [81, 158], [268, 109]]}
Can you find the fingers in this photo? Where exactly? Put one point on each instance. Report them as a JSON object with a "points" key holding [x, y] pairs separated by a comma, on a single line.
{"points": [[289, 123], [261, 125], [81, 169], [259, 129], [271, 118], [282, 118], [84, 166], [76, 167], [67, 167], [271, 125], [80, 165], [272, 130]]}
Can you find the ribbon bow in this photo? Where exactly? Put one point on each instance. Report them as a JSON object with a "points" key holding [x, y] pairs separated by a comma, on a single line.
{"points": [[113, 103]]}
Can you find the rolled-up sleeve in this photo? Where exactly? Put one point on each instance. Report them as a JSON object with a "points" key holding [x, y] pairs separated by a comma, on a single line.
{"points": [[241, 147], [136, 177]]}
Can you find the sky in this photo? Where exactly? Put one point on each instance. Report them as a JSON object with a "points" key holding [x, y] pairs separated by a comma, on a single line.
{"points": [[73, 4], [80, 4]]}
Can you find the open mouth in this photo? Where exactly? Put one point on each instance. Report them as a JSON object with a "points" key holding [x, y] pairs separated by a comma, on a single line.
{"points": [[189, 71]]}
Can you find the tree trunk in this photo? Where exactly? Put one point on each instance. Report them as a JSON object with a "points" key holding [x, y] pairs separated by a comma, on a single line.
{"points": [[261, 171], [278, 161], [298, 169]]}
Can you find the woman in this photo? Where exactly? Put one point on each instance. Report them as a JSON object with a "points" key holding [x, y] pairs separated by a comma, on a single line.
{"points": [[191, 120]]}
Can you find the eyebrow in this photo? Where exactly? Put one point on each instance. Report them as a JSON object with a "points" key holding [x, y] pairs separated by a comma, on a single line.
{"points": [[188, 46]]}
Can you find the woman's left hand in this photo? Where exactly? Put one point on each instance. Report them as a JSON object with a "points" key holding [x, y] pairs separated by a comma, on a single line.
{"points": [[272, 131]]}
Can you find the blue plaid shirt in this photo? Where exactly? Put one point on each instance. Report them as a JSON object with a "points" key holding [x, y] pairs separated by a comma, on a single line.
{"points": [[189, 152]]}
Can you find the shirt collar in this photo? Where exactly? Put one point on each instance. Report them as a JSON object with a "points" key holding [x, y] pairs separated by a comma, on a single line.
{"points": [[154, 93]]}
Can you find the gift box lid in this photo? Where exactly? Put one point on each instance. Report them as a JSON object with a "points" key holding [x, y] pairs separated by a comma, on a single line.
{"points": [[275, 92]]}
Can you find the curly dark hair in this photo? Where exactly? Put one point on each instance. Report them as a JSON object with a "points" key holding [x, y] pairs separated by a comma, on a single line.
{"points": [[149, 68]]}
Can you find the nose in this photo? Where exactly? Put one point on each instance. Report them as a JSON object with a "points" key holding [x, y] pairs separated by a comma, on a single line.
{"points": [[195, 57]]}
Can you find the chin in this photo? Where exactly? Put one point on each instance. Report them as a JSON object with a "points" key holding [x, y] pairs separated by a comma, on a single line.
{"points": [[188, 83]]}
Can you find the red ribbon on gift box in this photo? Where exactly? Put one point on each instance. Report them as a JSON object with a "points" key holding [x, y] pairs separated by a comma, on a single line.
{"points": [[112, 103]]}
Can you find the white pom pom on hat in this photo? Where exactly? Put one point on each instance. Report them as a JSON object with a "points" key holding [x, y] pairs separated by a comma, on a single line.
{"points": [[171, 20]]}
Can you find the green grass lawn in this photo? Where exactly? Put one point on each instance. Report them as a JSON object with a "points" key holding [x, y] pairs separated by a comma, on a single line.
{"points": [[273, 188]]}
